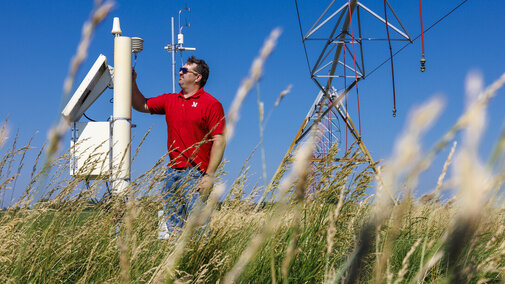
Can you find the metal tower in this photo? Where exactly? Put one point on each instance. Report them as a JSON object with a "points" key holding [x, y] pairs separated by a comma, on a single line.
{"points": [[338, 36]]}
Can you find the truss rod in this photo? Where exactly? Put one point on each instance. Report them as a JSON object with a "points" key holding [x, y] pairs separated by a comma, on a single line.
{"points": [[398, 19], [357, 39], [312, 31], [350, 125], [342, 35], [360, 70], [322, 15], [336, 76], [360, 41], [333, 104], [384, 21], [301, 35], [341, 63], [328, 43]]}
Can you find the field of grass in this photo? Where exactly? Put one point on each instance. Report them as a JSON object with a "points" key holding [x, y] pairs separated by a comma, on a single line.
{"points": [[337, 233], [318, 238], [317, 226]]}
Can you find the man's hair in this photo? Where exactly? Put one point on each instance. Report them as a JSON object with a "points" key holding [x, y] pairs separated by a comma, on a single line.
{"points": [[201, 67]]}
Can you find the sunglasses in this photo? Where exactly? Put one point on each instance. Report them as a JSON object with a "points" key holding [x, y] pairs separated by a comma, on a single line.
{"points": [[185, 70]]}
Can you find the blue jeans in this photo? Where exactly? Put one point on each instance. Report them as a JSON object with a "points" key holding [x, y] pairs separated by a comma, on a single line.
{"points": [[180, 196]]}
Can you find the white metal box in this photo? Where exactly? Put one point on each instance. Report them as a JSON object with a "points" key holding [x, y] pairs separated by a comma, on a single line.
{"points": [[90, 149]]}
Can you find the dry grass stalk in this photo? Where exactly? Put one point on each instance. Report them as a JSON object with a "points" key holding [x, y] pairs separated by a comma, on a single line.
{"points": [[282, 94], [330, 275], [444, 171], [332, 231], [482, 99], [405, 262], [498, 150], [99, 13], [299, 171], [140, 144], [20, 166], [277, 103], [4, 133], [474, 181], [255, 74], [429, 264], [198, 217], [407, 149], [9, 157], [126, 238], [261, 113]]}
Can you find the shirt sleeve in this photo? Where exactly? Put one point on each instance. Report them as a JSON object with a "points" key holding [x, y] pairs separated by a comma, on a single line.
{"points": [[156, 105], [216, 120]]}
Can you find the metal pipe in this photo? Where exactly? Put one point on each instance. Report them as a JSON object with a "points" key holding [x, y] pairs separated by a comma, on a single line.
{"points": [[173, 58]]}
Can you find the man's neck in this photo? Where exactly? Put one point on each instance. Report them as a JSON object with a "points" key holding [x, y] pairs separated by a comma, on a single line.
{"points": [[190, 92]]}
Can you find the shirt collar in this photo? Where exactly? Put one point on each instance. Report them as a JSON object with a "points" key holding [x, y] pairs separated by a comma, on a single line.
{"points": [[194, 96]]}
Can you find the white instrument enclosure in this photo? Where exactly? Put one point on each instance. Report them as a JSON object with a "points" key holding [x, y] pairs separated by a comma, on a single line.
{"points": [[90, 150]]}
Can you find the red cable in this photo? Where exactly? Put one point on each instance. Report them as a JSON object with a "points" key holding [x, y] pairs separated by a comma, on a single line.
{"points": [[355, 70], [328, 120], [423, 60], [422, 31], [345, 100], [330, 128], [391, 56]]}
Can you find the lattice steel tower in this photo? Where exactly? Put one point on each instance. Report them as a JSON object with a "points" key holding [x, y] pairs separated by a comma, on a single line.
{"points": [[339, 34]]}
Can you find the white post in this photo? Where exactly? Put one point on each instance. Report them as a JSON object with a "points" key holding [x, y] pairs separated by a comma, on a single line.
{"points": [[121, 120]]}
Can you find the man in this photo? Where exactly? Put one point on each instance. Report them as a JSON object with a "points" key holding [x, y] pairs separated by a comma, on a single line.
{"points": [[196, 143]]}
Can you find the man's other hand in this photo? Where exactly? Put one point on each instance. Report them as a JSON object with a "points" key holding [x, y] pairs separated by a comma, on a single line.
{"points": [[206, 184]]}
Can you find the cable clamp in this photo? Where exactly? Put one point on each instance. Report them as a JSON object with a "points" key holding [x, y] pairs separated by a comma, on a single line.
{"points": [[121, 118]]}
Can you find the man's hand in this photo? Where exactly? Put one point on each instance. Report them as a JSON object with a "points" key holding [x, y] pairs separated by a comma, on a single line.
{"points": [[205, 185], [138, 99], [134, 75], [216, 155]]}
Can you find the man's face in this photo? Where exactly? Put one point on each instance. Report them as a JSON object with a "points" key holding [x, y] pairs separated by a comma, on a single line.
{"points": [[190, 78]]}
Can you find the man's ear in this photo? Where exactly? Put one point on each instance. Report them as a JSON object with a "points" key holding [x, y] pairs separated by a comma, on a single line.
{"points": [[198, 78]]}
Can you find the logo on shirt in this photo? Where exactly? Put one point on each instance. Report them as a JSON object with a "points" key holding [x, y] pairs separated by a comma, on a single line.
{"points": [[194, 104]]}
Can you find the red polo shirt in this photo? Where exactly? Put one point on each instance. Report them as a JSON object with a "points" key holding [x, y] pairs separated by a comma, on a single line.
{"points": [[191, 123]]}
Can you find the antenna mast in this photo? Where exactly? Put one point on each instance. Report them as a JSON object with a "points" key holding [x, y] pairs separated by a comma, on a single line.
{"points": [[177, 47]]}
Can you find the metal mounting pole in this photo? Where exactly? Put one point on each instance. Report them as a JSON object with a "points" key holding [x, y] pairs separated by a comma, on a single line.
{"points": [[173, 57]]}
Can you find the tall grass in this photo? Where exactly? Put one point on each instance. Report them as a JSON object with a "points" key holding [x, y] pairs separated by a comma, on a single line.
{"points": [[336, 233], [67, 237]]}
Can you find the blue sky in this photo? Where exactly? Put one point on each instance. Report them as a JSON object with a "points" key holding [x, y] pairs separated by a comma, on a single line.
{"points": [[40, 37]]}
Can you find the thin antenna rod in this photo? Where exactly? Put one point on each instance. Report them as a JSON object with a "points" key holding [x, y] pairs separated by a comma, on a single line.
{"points": [[173, 57], [177, 47]]}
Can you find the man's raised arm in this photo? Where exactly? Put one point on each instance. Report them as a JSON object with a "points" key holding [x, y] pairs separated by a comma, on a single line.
{"points": [[138, 100]]}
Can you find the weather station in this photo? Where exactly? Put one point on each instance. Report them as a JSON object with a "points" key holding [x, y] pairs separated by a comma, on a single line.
{"points": [[102, 149], [178, 47]]}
